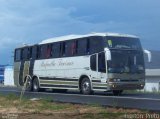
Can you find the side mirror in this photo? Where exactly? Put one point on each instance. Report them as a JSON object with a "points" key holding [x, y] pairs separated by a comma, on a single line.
{"points": [[108, 54], [149, 55]]}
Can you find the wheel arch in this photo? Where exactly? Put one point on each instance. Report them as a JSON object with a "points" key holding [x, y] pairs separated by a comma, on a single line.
{"points": [[24, 80]]}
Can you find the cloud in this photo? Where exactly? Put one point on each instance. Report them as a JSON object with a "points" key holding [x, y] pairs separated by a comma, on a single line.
{"points": [[7, 42], [31, 21]]}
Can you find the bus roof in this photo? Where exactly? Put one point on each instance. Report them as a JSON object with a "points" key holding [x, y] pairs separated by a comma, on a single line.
{"points": [[70, 37]]}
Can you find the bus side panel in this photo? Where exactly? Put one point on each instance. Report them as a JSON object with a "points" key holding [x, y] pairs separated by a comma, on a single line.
{"points": [[16, 72], [62, 72]]}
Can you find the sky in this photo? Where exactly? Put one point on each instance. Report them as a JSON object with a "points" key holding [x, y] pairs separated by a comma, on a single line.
{"points": [[31, 21]]}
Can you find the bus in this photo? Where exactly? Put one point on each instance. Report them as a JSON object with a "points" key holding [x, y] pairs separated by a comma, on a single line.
{"points": [[93, 62], [2, 67]]}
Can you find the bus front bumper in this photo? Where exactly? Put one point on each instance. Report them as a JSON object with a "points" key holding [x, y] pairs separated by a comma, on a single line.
{"points": [[126, 86]]}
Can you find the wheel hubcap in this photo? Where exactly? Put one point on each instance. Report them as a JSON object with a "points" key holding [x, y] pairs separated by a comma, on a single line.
{"points": [[86, 86], [28, 83]]}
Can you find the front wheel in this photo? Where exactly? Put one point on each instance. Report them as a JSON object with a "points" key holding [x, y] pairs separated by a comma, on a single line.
{"points": [[86, 86], [36, 87]]}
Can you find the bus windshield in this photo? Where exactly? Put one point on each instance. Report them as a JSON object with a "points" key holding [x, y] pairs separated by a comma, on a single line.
{"points": [[123, 42], [126, 61]]}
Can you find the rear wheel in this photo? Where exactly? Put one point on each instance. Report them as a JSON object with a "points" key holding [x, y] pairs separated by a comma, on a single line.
{"points": [[28, 83], [86, 86], [117, 92]]}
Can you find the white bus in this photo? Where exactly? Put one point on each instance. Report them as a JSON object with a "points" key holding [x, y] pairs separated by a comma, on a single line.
{"points": [[93, 62]]}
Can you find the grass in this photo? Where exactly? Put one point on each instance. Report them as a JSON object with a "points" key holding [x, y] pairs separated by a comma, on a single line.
{"points": [[12, 100], [48, 107]]}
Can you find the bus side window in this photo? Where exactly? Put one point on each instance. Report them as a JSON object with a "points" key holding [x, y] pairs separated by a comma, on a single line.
{"points": [[34, 52], [63, 48], [96, 44], [38, 52], [69, 48], [43, 51], [93, 63], [101, 62], [83, 46], [17, 54], [87, 46], [55, 50], [25, 53], [74, 47], [30, 52], [48, 51]]}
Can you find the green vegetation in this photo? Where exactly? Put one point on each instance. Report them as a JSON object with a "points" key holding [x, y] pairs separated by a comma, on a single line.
{"points": [[47, 108]]}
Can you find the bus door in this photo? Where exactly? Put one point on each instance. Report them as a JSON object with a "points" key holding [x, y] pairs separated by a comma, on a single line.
{"points": [[93, 66], [98, 67], [102, 67]]}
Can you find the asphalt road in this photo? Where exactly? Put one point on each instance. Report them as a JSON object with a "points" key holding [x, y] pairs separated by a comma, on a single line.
{"points": [[150, 102]]}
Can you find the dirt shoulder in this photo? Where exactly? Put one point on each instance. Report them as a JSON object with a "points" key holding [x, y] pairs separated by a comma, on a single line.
{"points": [[11, 107]]}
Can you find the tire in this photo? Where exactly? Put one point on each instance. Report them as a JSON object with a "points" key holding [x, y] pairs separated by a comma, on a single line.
{"points": [[117, 92], [29, 83], [86, 86], [36, 87]]}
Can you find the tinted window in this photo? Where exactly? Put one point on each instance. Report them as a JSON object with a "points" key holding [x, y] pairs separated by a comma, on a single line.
{"points": [[93, 62], [123, 42], [96, 44], [17, 55], [87, 46], [75, 47], [63, 48], [70, 48], [43, 51], [30, 53], [49, 51], [101, 62], [38, 52], [26, 53], [83, 46], [34, 52], [56, 50]]}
